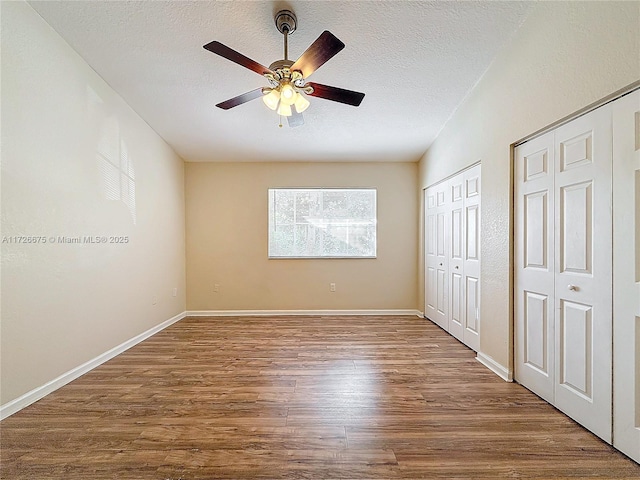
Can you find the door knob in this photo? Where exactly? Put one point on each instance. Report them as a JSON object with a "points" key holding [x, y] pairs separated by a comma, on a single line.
{"points": [[456, 267], [573, 288]]}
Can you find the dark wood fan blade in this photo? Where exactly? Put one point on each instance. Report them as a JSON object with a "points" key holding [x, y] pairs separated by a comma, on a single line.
{"points": [[240, 99], [336, 94], [325, 47], [296, 119], [230, 54]]}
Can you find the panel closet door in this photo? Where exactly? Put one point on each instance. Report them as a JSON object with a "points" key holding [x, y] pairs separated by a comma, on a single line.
{"points": [[563, 269], [452, 255], [626, 274], [442, 256], [583, 256], [471, 264], [534, 297], [430, 234], [436, 256], [455, 216]]}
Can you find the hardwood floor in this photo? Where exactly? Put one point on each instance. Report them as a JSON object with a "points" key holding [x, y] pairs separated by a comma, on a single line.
{"points": [[299, 397]]}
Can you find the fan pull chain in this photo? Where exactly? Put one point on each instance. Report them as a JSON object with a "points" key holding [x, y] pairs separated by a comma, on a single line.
{"points": [[280, 117]]}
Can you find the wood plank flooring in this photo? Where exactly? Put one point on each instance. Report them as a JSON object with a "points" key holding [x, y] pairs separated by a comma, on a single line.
{"points": [[299, 397]]}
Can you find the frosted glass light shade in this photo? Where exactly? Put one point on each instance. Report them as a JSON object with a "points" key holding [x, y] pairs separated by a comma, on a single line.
{"points": [[301, 103], [284, 109], [287, 94], [271, 99]]}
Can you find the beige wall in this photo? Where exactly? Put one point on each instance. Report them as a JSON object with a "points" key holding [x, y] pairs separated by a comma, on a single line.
{"points": [[226, 215], [65, 304], [565, 56]]}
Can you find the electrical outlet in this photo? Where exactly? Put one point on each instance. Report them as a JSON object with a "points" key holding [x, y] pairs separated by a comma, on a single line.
{"points": [[175, 291], [154, 300], [216, 288], [332, 287]]}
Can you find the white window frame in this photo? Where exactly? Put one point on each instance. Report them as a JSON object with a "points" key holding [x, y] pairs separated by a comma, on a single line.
{"points": [[272, 227]]}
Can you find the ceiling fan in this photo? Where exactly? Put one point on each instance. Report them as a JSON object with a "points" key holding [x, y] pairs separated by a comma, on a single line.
{"points": [[288, 79]]}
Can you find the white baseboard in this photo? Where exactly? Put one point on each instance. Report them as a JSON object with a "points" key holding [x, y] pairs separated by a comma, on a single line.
{"points": [[495, 367], [36, 394], [267, 313]]}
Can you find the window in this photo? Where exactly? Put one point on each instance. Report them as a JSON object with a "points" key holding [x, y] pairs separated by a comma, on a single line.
{"points": [[322, 223]]}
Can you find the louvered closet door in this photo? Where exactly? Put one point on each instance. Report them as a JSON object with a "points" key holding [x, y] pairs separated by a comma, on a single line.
{"points": [[534, 296]]}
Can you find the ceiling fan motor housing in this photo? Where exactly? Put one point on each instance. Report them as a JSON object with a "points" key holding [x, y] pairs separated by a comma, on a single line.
{"points": [[280, 64]]}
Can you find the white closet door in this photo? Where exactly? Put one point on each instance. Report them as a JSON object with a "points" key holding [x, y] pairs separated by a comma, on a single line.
{"points": [[563, 284], [534, 266], [471, 258], [583, 257], [430, 236], [452, 255], [436, 255], [441, 257], [626, 271], [457, 297]]}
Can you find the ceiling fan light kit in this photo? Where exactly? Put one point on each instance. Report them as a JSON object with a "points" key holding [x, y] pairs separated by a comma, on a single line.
{"points": [[288, 84]]}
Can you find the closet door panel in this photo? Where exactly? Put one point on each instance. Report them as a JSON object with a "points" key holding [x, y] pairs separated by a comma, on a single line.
{"points": [[626, 271], [472, 312], [535, 349], [576, 361], [431, 292], [534, 273], [442, 256], [536, 223], [456, 256], [430, 235], [583, 293], [436, 255], [471, 266]]}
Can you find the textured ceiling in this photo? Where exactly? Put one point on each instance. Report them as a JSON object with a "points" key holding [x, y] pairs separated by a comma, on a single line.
{"points": [[415, 61]]}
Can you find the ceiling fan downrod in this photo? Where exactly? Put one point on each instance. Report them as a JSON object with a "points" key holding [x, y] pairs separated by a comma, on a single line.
{"points": [[286, 24]]}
